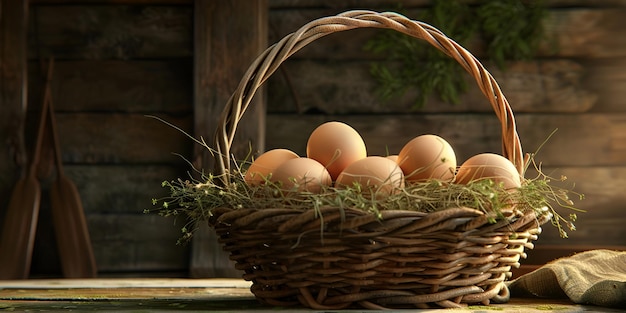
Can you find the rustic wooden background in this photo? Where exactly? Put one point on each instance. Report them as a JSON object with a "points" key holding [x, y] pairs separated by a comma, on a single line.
{"points": [[119, 60], [115, 64]]}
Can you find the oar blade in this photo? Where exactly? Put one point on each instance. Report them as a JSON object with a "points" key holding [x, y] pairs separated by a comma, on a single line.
{"points": [[72, 234], [18, 232]]}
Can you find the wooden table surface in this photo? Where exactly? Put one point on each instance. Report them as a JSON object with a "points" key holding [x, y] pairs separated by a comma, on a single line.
{"points": [[194, 295]]}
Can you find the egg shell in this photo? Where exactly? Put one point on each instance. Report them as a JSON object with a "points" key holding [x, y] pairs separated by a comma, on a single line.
{"points": [[489, 166], [265, 164], [335, 145], [393, 157], [301, 174], [427, 157], [376, 173]]}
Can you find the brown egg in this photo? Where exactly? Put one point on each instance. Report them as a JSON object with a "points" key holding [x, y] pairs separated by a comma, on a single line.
{"points": [[373, 173], [489, 166], [427, 157], [393, 157], [336, 145], [265, 164], [301, 174]]}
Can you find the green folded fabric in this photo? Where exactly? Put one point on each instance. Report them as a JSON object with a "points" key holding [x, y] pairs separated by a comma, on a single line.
{"points": [[595, 277]]}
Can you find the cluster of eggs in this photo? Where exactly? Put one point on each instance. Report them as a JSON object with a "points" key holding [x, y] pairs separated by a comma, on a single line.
{"points": [[336, 156]]}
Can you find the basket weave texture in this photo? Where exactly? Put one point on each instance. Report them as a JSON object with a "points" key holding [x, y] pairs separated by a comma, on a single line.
{"points": [[336, 258]]}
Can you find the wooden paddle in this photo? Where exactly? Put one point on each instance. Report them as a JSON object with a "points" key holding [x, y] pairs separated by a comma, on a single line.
{"points": [[20, 222], [70, 226]]}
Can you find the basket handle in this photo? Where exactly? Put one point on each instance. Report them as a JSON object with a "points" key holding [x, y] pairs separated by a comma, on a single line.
{"points": [[269, 61]]}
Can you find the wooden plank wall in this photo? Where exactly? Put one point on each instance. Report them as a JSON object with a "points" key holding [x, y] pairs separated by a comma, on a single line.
{"points": [[578, 89], [13, 82], [116, 63], [228, 37]]}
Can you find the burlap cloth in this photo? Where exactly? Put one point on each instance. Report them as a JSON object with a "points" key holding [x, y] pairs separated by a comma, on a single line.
{"points": [[595, 277]]}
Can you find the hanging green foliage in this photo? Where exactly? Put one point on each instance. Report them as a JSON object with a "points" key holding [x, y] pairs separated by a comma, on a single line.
{"points": [[510, 29]]}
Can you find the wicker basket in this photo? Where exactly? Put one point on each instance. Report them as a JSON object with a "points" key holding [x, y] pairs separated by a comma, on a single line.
{"points": [[350, 258]]}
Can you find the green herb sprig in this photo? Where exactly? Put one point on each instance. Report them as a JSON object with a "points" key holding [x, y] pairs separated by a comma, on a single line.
{"points": [[511, 30]]}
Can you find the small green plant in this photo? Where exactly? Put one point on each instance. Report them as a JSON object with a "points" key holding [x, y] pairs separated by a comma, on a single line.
{"points": [[510, 29]]}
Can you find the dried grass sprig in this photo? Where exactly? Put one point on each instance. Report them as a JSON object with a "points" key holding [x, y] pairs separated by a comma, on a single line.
{"points": [[195, 200]]}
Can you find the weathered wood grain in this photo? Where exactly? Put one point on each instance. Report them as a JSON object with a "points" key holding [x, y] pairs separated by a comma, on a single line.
{"points": [[220, 61], [229, 300], [135, 242], [603, 204], [607, 77], [127, 282], [145, 86], [571, 32], [111, 31], [581, 139], [348, 88], [279, 4], [122, 189], [73, 31], [131, 2], [589, 33], [165, 291], [228, 37], [589, 232], [602, 187], [91, 138], [13, 87], [14, 157]]}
